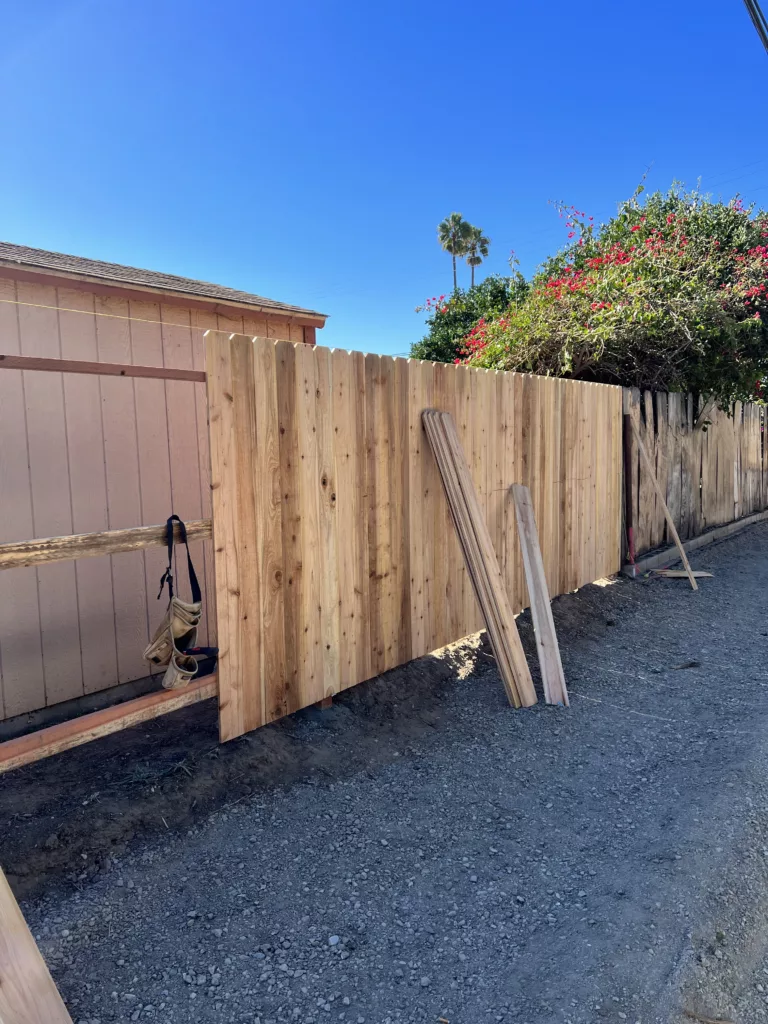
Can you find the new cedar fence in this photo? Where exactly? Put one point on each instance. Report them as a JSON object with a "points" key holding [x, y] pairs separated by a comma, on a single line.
{"points": [[712, 467], [335, 553]]}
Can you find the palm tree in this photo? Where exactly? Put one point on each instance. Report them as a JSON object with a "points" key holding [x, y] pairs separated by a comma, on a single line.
{"points": [[477, 249], [453, 234]]}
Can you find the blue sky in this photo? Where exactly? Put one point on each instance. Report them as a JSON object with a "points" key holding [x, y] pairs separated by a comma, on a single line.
{"points": [[306, 151]]}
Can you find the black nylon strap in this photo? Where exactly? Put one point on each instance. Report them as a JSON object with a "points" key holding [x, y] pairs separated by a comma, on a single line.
{"points": [[167, 576]]}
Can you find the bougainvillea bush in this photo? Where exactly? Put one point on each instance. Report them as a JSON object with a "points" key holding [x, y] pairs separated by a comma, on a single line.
{"points": [[670, 294]]}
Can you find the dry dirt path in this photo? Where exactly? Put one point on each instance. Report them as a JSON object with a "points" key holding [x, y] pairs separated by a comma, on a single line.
{"points": [[422, 851]]}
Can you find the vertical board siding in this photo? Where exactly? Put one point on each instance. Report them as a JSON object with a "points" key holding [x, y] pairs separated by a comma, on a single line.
{"points": [[82, 453], [335, 554], [709, 476]]}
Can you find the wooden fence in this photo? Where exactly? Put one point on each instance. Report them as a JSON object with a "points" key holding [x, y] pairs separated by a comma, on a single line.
{"points": [[711, 474], [335, 553]]}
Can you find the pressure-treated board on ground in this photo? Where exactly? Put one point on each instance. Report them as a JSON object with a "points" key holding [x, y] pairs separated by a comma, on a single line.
{"points": [[336, 557]]}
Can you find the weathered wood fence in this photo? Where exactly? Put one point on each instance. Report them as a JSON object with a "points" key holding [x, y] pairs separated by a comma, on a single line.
{"points": [[335, 553], [711, 474]]}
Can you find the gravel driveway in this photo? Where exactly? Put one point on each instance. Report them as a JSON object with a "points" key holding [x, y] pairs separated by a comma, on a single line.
{"points": [[422, 852]]}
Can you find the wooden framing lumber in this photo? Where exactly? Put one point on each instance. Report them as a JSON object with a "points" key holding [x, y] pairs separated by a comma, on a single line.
{"points": [[552, 677], [11, 362], [677, 574], [89, 545], [480, 557], [667, 516], [28, 994], [56, 738]]}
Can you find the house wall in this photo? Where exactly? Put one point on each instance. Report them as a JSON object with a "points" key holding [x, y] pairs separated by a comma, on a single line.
{"points": [[86, 453]]}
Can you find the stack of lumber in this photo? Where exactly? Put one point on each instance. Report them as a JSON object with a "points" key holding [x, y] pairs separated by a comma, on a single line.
{"points": [[482, 564]]}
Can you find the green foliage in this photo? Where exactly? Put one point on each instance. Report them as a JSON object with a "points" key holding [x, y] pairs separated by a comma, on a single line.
{"points": [[450, 318], [670, 294]]}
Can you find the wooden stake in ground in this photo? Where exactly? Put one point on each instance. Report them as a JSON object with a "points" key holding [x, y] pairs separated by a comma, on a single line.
{"points": [[551, 666], [27, 992], [482, 564], [667, 516]]}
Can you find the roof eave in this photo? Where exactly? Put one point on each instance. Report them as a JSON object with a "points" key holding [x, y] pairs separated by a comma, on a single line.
{"points": [[110, 286]]}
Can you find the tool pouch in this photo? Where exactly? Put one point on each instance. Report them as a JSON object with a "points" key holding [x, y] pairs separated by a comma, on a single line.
{"points": [[178, 630]]}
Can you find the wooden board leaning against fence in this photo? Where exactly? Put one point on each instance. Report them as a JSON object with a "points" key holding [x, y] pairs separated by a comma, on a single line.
{"points": [[336, 558]]}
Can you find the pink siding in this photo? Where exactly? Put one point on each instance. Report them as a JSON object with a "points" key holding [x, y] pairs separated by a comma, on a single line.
{"points": [[80, 454]]}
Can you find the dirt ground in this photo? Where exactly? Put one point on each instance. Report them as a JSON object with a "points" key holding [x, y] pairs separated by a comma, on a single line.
{"points": [[422, 851]]}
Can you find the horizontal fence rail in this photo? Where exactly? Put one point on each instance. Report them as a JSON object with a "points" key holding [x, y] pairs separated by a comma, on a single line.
{"points": [[335, 552], [92, 545], [711, 466], [98, 369]]}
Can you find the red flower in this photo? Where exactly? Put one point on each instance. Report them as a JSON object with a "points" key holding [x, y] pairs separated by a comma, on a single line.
{"points": [[635, 228]]}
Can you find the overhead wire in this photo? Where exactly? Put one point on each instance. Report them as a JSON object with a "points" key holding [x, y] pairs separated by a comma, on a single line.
{"points": [[758, 20]]}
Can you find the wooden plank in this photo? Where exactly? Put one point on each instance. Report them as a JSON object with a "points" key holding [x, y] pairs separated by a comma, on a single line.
{"points": [[56, 738], [662, 464], [420, 465], [377, 379], [348, 411], [288, 398], [272, 669], [28, 994], [552, 677], [234, 482], [326, 592], [676, 574], [631, 407], [688, 468], [441, 525], [403, 646], [311, 614], [101, 369], [670, 522]]}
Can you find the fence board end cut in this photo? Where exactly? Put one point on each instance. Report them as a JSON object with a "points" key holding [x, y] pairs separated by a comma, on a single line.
{"points": [[28, 994]]}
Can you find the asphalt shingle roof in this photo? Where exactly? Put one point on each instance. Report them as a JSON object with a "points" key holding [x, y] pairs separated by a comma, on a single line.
{"points": [[23, 256]]}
